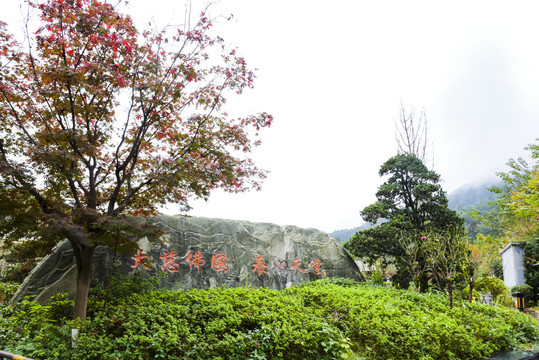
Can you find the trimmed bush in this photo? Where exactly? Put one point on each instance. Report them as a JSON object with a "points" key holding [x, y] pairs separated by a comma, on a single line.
{"points": [[319, 320]]}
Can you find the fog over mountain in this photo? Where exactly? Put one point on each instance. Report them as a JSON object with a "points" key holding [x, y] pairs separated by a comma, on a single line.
{"points": [[460, 200]]}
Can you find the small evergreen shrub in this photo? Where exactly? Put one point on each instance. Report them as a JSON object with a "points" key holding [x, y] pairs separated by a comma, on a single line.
{"points": [[319, 320]]}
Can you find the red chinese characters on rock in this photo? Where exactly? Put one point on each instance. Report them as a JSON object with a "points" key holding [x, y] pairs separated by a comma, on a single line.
{"points": [[259, 265], [296, 264], [282, 265], [316, 264], [168, 261], [196, 260], [219, 262], [139, 260]]}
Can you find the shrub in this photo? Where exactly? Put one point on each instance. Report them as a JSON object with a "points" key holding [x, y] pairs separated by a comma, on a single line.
{"points": [[496, 287], [121, 287], [527, 292], [7, 290], [18, 272], [319, 320], [377, 278]]}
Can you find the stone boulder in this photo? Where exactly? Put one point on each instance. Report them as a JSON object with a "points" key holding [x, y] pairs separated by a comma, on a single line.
{"points": [[202, 253]]}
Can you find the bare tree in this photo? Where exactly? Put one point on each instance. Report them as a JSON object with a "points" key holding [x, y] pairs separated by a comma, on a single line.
{"points": [[411, 132]]}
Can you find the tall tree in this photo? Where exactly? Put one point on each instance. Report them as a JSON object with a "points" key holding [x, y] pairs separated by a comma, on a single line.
{"points": [[518, 201], [101, 124], [407, 202], [517, 211]]}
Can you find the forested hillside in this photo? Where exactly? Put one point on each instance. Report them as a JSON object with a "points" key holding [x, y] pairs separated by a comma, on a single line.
{"points": [[344, 234], [472, 200], [471, 195]]}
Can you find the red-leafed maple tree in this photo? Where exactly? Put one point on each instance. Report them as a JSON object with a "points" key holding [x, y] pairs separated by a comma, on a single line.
{"points": [[101, 124]]}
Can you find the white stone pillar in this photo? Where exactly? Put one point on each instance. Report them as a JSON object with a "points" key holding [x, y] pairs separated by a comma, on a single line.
{"points": [[513, 264]]}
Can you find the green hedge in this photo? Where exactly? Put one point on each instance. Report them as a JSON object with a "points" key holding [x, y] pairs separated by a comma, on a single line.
{"points": [[320, 320]]}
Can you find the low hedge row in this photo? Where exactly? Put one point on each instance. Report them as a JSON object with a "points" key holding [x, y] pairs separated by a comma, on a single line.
{"points": [[320, 320]]}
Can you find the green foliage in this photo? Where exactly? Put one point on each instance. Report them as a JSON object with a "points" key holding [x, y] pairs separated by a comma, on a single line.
{"points": [[488, 248], [448, 256], [75, 165], [344, 282], [531, 266], [7, 290], [518, 200], [496, 287], [377, 278], [122, 287], [18, 271], [410, 200], [525, 290], [472, 218], [517, 211], [319, 320]]}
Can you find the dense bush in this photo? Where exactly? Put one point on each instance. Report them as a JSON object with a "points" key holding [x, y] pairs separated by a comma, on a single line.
{"points": [[495, 286], [18, 272], [500, 294], [7, 290], [526, 291], [327, 319], [531, 267]]}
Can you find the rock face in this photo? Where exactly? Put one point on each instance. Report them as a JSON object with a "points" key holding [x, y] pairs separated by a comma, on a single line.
{"points": [[206, 253]]}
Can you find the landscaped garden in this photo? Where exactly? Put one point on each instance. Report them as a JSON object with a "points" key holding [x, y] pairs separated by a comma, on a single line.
{"points": [[326, 319]]}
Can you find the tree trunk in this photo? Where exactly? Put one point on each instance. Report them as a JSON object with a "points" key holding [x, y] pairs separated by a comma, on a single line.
{"points": [[437, 279], [450, 292], [423, 283], [84, 277], [470, 292]]}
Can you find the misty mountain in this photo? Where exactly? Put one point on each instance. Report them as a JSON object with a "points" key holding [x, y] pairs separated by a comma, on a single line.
{"points": [[345, 234], [474, 198], [469, 195]]}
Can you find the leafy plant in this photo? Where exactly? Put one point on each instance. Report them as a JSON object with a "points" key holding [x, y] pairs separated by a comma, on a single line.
{"points": [[517, 207], [410, 200], [76, 166], [377, 278], [318, 320], [7, 290], [525, 290], [496, 287]]}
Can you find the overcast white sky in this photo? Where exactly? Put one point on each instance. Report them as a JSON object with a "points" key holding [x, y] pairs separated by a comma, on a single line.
{"points": [[334, 73]]}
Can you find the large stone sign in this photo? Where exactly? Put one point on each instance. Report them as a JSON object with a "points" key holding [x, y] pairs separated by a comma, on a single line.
{"points": [[203, 253]]}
